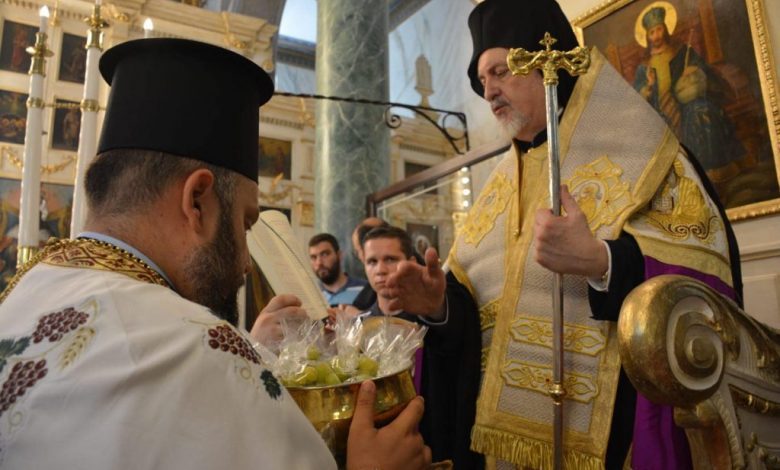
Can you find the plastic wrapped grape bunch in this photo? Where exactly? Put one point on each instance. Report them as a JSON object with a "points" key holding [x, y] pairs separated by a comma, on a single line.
{"points": [[357, 349]]}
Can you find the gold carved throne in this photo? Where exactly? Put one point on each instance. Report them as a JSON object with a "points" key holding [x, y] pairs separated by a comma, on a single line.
{"points": [[683, 344]]}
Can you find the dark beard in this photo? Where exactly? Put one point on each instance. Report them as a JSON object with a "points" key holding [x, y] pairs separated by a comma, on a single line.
{"points": [[212, 271], [331, 276]]}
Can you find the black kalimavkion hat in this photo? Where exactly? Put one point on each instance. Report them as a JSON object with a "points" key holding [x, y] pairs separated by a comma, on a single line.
{"points": [[520, 23], [185, 98]]}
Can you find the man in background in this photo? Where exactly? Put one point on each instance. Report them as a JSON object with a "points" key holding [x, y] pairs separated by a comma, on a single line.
{"points": [[384, 248], [337, 286], [447, 369], [366, 297]]}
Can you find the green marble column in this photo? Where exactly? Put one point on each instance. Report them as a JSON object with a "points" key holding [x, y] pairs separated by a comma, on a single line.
{"points": [[353, 142]]}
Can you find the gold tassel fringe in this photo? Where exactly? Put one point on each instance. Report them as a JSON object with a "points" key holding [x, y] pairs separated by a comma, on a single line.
{"points": [[526, 452]]}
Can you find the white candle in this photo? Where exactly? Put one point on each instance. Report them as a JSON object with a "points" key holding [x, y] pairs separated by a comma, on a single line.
{"points": [[30, 201], [44, 17], [148, 28], [87, 139]]}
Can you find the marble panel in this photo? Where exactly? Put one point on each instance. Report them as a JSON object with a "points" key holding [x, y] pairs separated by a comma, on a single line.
{"points": [[352, 142]]}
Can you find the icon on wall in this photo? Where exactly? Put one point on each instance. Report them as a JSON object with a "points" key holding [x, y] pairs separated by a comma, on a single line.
{"points": [[696, 62], [66, 126], [423, 236], [73, 59], [275, 158], [13, 116], [16, 38]]}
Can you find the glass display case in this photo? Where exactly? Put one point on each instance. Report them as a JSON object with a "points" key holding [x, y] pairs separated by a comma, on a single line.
{"points": [[432, 204]]}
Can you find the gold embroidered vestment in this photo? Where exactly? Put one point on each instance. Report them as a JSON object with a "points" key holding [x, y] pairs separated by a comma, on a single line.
{"points": [[620, 184]]}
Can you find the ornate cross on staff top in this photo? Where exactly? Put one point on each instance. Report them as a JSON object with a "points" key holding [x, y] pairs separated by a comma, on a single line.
{"points": [[576, 62]]}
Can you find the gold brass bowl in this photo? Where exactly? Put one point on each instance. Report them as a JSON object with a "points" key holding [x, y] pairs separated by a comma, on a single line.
{"points": [[372, 324], [330, 408]]}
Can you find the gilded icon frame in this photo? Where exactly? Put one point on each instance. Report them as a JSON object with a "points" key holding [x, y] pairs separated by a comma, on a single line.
{"points": [[613, 15], [275, 158]]}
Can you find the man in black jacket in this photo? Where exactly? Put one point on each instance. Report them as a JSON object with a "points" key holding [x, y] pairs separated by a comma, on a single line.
{"points": [[449, 374]]}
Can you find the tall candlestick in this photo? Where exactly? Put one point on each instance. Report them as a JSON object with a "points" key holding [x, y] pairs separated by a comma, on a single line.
{"points": [[148, 28], [30, 202], [89, 110]]}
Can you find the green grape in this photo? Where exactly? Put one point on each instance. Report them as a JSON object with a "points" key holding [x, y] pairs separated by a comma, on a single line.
{"points": [[307, 376], [367, 366], [313, 353], [289, 382], [323, 370], [336, 364], [332, 379], [311, 375], [341, 374]]}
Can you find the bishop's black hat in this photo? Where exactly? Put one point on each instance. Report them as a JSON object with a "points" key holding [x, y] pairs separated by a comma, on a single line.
{"points": [[185, 98], [520, 23]]}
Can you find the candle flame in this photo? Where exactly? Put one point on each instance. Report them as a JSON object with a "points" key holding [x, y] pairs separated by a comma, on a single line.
{"points": [[44, 11], [148, 24]]}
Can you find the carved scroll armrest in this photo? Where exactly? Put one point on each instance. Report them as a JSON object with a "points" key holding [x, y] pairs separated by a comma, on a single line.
{"points": [[673, 334], [681, 343]]}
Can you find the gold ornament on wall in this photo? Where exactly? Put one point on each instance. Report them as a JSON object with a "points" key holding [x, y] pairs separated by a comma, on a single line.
{"points": [[12, 156], [116, 13], [231, 39], [306, 209], [277, 192]]}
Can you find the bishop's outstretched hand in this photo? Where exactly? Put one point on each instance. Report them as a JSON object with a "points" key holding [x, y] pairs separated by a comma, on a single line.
{"points": [[417, 289]]}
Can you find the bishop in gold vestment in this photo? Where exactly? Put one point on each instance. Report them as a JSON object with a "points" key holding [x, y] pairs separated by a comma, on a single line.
{"points": [[636, 205]]}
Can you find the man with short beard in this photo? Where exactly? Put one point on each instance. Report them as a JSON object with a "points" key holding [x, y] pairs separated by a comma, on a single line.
{"points": [[118, 346], [337, 286], [606, 242]]}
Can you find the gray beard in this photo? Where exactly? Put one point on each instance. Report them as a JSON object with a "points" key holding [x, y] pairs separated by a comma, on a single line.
{"points": [[512, 125]]}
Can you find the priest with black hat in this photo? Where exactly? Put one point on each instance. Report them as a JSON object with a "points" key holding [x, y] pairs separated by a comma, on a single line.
{"points": [[117, 347], [635, 204]]}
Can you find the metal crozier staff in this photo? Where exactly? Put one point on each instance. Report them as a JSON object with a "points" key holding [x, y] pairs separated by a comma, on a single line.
{"points": [[575, 62]]}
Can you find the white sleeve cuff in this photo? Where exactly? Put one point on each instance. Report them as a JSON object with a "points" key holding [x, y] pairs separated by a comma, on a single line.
{"points": [[602, 284]]}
